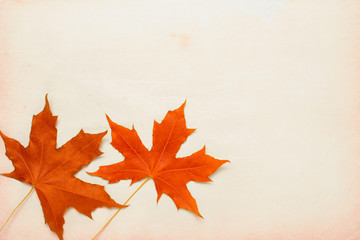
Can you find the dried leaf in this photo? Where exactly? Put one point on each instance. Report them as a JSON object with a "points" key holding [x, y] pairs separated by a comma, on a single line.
{"points": [[170, 174], [50, 170]]}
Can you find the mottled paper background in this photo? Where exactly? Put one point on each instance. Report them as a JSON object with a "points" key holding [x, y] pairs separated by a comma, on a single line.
{"points": [[273, 86]]}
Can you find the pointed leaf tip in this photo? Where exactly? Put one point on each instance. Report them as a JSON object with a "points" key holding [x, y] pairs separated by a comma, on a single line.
{"points": [[109, 119], [183, 105], [203, 149], [91, 173], [47, 105], [102, 134], [3, 136]]}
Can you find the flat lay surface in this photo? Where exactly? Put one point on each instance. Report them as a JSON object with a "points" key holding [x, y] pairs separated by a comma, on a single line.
{"points": [[272, 86]]}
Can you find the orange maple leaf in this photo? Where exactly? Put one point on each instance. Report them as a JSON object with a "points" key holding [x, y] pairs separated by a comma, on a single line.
{"points": [[170, 174], [50, 170]]}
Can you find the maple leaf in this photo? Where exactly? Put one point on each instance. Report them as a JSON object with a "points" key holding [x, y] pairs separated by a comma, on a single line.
{"points": [[50, 170], [170, 174]]}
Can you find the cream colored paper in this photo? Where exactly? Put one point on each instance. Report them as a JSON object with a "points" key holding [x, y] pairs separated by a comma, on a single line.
{"points": [[272, 86]]}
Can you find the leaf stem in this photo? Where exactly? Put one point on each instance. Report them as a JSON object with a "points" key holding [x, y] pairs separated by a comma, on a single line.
{"points": [[7, 220], [107, 223]]}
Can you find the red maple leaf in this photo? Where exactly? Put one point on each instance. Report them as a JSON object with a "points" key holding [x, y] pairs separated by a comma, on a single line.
{"points": [[170, 174], [50, 170]]}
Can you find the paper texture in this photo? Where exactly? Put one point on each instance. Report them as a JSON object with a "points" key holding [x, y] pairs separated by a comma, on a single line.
{"points": [[272, 86]]}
